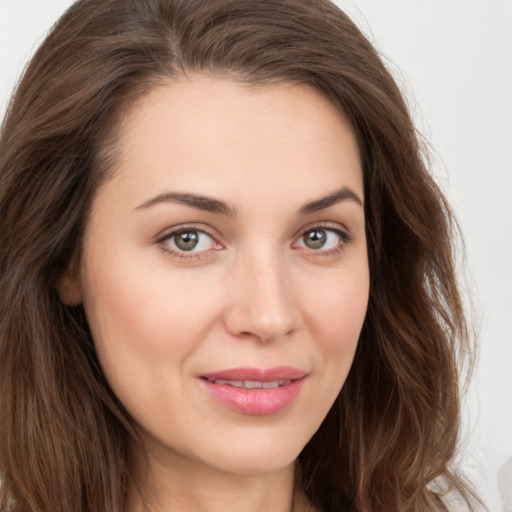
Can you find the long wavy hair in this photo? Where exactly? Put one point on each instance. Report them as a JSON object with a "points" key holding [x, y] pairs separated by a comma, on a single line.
{"points": [[389, 439]]}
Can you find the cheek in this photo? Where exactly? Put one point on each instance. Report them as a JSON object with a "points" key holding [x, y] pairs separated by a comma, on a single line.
{"points": [[145, 326], [336, 315], [338, 309], [142, 317]]}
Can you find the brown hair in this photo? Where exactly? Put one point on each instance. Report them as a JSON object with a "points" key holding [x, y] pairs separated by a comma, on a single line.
{"points": [[393, 429]]}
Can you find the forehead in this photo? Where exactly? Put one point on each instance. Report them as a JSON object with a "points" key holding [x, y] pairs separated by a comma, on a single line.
{"points": [[218, 136]]}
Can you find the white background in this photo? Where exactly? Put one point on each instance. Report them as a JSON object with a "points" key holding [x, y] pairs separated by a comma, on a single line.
{"points": [[454, 60]]}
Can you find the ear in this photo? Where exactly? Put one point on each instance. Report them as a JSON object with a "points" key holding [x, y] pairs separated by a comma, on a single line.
{"points": [[69, 284]]}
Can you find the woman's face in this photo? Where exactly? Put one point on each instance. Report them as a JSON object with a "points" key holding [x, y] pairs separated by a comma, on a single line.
{"points": [[224, 271]]}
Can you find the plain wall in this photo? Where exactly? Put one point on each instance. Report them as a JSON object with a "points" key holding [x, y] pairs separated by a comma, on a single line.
{"points": [[454, 60]]}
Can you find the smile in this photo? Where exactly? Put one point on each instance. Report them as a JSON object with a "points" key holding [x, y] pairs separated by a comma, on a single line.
{"points": [[255, 391], [252, 384]]}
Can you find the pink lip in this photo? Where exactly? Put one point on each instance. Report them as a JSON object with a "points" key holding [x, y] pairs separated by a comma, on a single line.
{"points": [[256, 401]]}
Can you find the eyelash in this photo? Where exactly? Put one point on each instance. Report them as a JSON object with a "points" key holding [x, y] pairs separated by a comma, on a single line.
{"points": [[185, 255], [344, 236]]}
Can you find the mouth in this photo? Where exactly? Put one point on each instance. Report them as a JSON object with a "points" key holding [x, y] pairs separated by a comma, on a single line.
{"points": [[251, 384], [255, 391]]}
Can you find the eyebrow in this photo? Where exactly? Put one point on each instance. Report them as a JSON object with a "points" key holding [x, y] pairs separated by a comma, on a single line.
{"points": [[215, 206], [343, 194], [194, 200]]}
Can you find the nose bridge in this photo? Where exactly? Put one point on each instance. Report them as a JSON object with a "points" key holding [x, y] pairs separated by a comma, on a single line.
{"points": [[263, 303]]}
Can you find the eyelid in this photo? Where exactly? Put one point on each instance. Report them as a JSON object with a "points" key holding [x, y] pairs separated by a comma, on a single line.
{"points": [[328, 225], [345, 235], [190, 255], [343, 232]]}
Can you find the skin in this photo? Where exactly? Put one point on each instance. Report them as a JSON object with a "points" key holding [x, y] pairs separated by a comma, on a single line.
{"points": [[252, 293]]}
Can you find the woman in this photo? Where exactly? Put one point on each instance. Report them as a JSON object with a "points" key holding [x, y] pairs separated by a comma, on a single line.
{"points": [[226, 274]]}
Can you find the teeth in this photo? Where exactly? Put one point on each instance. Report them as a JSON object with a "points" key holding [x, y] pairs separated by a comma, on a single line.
{"points": [[252, 384], [276, 383], [235, 383]]}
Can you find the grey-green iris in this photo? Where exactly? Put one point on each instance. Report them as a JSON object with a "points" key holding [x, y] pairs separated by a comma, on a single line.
{"points": [[315, 239], [186, 240]]}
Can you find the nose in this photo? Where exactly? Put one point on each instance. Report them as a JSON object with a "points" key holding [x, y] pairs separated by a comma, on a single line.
{"points": [[262, 301]]}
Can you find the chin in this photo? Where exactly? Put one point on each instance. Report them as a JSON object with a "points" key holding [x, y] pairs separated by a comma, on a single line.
{"points": [[256, 455]]}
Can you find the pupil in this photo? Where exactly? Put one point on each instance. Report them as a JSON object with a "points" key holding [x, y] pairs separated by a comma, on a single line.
{"points": [[315, 239], [187, 240]]}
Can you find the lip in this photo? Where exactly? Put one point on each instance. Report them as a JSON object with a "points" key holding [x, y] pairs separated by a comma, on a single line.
{"points": [[256, 401]]}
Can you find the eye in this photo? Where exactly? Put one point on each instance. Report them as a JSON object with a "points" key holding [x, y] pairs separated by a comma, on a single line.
{"points": [[322, 239], [188, 240]]}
